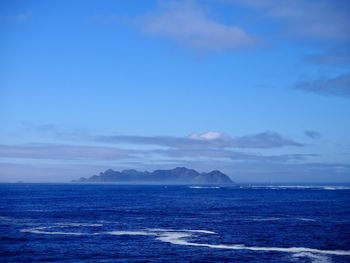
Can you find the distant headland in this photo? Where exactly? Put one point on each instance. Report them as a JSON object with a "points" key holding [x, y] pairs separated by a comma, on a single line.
{"points": [[179, 175]]}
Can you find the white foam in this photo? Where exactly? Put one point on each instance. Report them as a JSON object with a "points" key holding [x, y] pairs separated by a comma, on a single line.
{"points": [[176, 238], [180, 230], [273, 249], [131, 233], [336, 188], [78, 224], [204, 187], [43, 230], [53, 232], [200, 231], [313, 257], [283, 187], [179, 237]]}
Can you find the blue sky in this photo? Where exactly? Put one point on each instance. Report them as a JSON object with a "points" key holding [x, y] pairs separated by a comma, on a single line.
{"points": [[257, 89]]}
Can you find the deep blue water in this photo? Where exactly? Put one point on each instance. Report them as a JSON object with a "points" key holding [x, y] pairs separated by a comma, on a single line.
{"points": [[111, 223]]}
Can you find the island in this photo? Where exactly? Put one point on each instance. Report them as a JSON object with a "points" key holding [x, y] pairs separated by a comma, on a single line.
{"points": [[179, 176]]}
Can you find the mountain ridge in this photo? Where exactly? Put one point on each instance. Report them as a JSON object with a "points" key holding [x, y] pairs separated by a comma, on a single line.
{"points": [[178, 175]]}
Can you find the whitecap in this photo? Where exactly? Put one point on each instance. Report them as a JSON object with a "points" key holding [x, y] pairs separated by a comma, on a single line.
{"points": [[204, 187], [176, 238]]}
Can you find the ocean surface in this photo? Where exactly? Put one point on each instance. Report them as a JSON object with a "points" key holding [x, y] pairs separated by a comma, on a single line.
{"points": [[113, 223]]}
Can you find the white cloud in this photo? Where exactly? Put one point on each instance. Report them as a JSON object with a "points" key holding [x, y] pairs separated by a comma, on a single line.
{"points": [[187, 24], [208, 136]]}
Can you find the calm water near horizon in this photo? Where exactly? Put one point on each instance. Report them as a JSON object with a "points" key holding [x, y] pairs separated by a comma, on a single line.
{"points": [[125, 223]]}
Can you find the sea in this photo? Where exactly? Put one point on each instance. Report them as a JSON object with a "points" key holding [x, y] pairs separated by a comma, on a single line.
{"points": [[138, 223]]}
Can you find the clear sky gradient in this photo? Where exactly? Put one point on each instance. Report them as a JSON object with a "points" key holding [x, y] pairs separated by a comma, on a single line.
{"points": [[257, 89]]}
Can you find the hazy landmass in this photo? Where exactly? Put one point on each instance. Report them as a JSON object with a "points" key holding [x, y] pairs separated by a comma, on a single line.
{"points": [[179, 175]]}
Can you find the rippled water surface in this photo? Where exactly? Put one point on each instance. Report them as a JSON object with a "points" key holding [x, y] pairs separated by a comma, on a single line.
{"points": [[111, 223]]}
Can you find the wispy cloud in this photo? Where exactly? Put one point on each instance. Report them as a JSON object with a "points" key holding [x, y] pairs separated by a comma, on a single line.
{"points": [[205, 140], [187, 24], [337, 86], [231, 155], [73, 161], [28, 126], [312, 134], [325, 19], [117, 149], [264, 140], [95, 154], [209, 139], [15, 18], [52, 130], [62, 152], [336, 57]]}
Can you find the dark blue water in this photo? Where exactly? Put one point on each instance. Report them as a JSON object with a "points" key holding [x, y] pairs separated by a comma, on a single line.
{"points": [[110, 223]]}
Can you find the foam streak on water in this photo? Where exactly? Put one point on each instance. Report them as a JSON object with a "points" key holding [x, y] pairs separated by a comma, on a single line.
{"points": [[179, 237], [105, 223]]}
